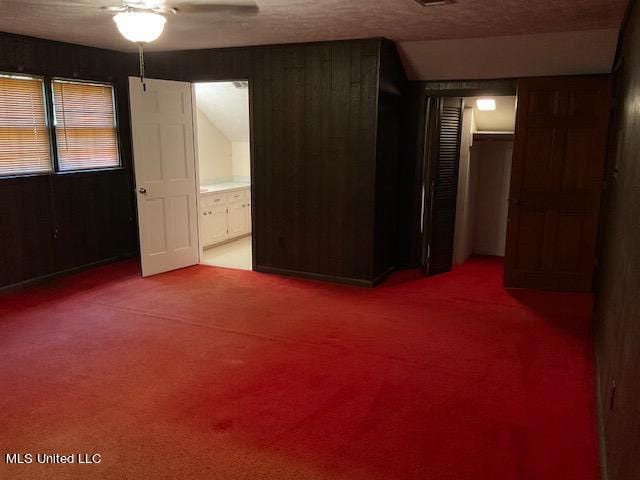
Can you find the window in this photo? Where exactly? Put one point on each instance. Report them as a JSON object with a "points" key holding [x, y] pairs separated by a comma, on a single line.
{"points": [[24, 133], [85, 125]]}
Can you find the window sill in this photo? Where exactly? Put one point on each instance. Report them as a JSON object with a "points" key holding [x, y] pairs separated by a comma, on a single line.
{"points": [[92, 171], [17, 176]]}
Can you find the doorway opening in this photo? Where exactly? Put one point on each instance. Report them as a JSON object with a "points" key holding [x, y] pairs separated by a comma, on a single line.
{"points": [[468, 134], [222, 131], [484, 177], [558, 153]]}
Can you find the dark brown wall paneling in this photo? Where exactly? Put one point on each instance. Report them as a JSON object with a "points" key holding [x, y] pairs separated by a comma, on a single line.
{"points": [[94, 217], [314, 167], [618, 285], [26, 229], [324, 200], [314, 122], [390, 244], [412, 142], [315, 114], [53, 223]]}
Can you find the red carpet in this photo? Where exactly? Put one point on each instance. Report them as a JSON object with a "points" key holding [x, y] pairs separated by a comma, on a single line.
{"points": [[209, 373]]}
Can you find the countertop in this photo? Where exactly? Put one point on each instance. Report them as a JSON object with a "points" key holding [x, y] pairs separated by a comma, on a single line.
{"points": [[223, 187]]}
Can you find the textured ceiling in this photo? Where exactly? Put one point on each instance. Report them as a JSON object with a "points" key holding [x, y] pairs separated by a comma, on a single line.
{"points": [[285, 21], [226, 106]]}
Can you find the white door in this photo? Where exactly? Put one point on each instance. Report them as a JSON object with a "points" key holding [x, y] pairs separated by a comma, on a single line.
{"points": [[164, 164]]}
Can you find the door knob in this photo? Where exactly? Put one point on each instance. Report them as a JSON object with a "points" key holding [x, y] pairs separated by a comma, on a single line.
{"points": [[142, 190]]}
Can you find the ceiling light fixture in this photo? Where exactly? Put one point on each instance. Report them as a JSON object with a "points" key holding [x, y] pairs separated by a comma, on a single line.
{"points": [[141, 28], [486, 104]]}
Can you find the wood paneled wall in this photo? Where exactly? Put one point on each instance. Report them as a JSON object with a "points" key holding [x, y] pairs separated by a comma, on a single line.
{"points": [[618, 282], [389, 244], [323, 165], [58, 222], [325, 159]]}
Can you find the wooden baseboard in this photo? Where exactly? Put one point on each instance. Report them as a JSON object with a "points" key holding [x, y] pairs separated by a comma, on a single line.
{"points": [[52, 276], [382, 277], [604, 473], [224, 242], [359, 282]]}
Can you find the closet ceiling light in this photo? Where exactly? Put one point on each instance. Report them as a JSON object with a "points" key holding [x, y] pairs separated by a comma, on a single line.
{"points": [[486, 104]]}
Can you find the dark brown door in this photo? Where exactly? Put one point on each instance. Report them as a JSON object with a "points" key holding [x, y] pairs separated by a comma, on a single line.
{"points": [[556, 182]]}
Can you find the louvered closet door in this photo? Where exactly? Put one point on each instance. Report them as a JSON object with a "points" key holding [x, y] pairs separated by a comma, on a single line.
{"points": [[444, 188]]}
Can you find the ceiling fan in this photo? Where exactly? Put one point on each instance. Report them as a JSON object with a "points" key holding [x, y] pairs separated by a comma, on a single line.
{"points": [[142, 21], [165, 7]]}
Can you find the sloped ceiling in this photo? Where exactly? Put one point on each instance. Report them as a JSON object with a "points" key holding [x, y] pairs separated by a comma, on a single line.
{"points": [[495, 38], [227, 107], [565, 53]]}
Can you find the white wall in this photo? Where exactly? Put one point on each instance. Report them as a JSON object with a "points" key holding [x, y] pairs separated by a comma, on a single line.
{"points": [[214, 152], [514, 56], [241, 160], [463, 238], [491, 163]]}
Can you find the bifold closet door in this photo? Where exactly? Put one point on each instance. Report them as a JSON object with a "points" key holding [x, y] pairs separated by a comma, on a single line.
{"points": [[442, 154]]}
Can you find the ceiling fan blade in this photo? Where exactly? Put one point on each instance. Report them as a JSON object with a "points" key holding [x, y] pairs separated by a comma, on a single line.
{"points": [[230, 8], [120, 8], [58, 3]]}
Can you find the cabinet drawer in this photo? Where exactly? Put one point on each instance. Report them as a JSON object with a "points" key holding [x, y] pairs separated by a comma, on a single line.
{"points": [[214, 200], [236, 197]]}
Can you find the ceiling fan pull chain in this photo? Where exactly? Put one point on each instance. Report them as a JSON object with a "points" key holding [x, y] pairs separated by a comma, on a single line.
{"points": [[141, 56]]}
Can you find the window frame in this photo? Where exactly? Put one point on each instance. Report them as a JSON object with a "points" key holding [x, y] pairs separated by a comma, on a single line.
{"points": [[52, 112], [52, 156], [49, 107]]}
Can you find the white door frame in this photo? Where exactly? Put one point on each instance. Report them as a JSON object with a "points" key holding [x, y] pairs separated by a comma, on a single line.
{"points": [[197, 160]]}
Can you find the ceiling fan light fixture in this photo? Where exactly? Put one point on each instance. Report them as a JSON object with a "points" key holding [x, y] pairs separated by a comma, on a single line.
{"points": [[140, 27]]}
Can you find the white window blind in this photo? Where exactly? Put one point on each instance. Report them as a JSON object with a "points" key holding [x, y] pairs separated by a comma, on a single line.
{"points": [[85, 125], [24, 137]]}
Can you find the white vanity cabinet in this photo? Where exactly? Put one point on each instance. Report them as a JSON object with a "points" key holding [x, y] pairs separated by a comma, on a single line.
{"points": [[236, 219], [224, 215]]}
